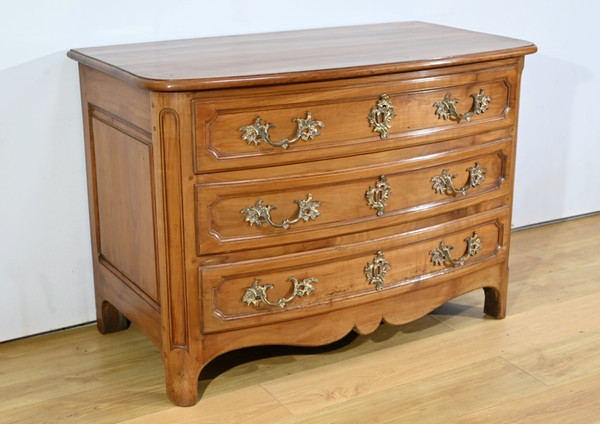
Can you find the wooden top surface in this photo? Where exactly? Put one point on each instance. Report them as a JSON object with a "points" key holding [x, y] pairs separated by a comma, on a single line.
{"points": [[296, 56]]}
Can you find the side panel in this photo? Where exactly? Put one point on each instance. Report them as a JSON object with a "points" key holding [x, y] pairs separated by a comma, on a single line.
{"points": [[124, 201], [121, 173]]}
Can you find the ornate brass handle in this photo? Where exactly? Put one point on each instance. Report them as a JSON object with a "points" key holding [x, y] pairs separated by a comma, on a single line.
{"points": [[442, 184], [258, 132], [378, 195], [441, 255], [259, 214], [376, 271], [380, 117], [257, 293], [446, 108]]}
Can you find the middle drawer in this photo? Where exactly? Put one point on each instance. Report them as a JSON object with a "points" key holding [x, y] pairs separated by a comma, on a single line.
{"points": [[270, 212]]}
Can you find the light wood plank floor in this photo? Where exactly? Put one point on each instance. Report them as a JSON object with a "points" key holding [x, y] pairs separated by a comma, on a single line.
{"points": [[539, 365]]}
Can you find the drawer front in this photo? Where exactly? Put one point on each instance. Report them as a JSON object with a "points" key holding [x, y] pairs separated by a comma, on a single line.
{"points": [[261, 213], [265, 291], [247, 129]]}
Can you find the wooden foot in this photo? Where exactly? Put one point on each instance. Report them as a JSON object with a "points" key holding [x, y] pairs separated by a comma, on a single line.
{"points": [[182, 379], [495, 302], [110, 320], [496, 297]]}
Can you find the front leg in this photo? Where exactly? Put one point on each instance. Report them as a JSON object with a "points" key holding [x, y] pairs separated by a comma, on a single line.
{"points": [[496, 297], [182, 372]]}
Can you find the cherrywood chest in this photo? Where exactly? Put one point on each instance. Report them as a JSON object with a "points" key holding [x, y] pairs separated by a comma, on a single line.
{"points": [[288, 188]]}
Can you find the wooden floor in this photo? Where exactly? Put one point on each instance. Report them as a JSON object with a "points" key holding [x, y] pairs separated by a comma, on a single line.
{"points": [[539, 365]]}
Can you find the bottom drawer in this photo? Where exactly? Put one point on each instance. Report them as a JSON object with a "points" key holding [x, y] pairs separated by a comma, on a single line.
{"points": [[258, 292]]}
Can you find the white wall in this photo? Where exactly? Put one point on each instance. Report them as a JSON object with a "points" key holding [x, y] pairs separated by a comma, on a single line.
{"points": [[45, 263]]}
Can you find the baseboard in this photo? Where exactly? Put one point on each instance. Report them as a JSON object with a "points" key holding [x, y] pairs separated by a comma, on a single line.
{"points": [[43, 333], [554, 221]]}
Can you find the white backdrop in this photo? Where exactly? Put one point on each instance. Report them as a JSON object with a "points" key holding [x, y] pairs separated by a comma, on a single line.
{"points": [[45, 259]]}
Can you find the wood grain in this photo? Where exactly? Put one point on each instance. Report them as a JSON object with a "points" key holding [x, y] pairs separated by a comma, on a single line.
{"points": [[254, 406], [343, 207], [169, 174], [313, 390], [123, 166], [432, 398], [80, 376], [539, 365], [561, 360], [576, 401], [340, 273], [343, 106], [293, 56]]}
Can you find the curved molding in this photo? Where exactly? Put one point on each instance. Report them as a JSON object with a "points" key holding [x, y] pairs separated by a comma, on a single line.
{"points": [[218, 316], [209, 155], [364, 319], [217, 239]]}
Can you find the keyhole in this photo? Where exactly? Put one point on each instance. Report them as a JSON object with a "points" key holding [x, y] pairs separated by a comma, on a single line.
{"points": [[377, 270], [378, 196]]}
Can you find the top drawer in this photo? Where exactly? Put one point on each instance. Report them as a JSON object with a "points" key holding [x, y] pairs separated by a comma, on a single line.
{"points": [[250, 128]]}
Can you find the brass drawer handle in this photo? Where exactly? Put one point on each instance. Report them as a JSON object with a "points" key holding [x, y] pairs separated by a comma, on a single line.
{"points": [[377, 196], [442, 184], [259, 214], [380, 117], [441, 255], [446, 109], [258, 132], [256, 293], [375, 272]]}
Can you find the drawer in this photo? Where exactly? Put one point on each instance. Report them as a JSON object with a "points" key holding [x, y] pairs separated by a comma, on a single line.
{"points": [[269, 212], [298, 123], [276, 289]]}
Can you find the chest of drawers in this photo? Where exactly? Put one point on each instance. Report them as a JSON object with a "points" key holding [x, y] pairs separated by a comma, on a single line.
{"points": [[288, 188]]}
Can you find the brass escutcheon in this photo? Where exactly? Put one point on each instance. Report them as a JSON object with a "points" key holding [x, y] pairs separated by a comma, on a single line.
{"points": [[380, 117], [377, 196], [375, 272]]}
